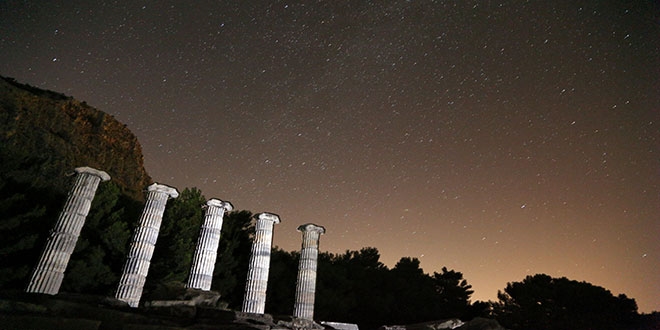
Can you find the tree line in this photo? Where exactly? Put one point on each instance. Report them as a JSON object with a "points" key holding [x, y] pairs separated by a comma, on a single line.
{"points": [[353, 287]]}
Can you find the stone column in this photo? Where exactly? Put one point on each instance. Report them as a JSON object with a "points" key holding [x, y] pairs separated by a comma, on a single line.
{"points": [[49, 272], [142, 245], [306, 283], [254, 300], [201, 271]]}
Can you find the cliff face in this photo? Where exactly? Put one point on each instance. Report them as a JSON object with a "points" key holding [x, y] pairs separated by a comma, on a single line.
{"points": [[45, 135]]}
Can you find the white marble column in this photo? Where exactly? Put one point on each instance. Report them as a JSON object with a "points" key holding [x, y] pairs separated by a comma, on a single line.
{"points": [[306, 283], [49, 272], [201, 271], [142, 245], [254, 300]]}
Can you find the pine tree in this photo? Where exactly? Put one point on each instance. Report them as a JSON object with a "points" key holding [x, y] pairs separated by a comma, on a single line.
{"points": [[175, 247], [93, 267], [231, 266]]}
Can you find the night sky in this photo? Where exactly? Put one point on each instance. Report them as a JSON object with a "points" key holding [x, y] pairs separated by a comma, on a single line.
{"points": [[498, 139]]}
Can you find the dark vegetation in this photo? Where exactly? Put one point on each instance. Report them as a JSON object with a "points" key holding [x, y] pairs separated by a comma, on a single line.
{"points": [[352, 287]]}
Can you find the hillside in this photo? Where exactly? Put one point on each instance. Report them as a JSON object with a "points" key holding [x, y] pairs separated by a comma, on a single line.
{"points": [[45, 135]]}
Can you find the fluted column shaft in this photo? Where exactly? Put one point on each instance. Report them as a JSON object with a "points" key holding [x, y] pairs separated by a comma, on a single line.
{"points": [[206, 252], [49, 272], [254, 300], [142, 246], [306, 282]]}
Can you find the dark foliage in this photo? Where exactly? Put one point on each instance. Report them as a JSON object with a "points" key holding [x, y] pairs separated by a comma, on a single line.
{"points": [[454, 293], [282, 276], [27, 214], [231, 266], [541, 302], [357, 288], [96, 263], [177, 238]]}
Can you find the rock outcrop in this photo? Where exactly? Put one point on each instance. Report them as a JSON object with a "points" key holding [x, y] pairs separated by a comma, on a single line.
{"points": [[451, 324], [47, 134], [20, 310]]}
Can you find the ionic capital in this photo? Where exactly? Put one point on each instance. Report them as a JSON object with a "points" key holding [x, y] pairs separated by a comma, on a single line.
{"points": [[269, 217], [88, 170], [218, 203], [171, 192], [310, 227]]}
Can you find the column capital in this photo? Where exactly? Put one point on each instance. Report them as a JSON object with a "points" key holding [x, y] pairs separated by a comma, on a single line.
{"points": [[268, 216], [218, 203], [311, 227], [172, 192], [101, 174]]}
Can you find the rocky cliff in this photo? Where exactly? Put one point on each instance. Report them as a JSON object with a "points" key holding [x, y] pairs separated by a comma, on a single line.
{"points": [[45, 135]]}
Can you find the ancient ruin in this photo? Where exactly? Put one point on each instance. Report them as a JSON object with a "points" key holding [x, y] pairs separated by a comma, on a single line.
{"points": [[306, 282], [201, 271], [254, 300], [142, 246], [49, 272]]}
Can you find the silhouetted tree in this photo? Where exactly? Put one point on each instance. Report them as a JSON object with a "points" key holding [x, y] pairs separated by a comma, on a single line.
{"points": [[369, 283], [648, 321], [544, 303], [482, 309], [453, 294], [282, 277], [351, 286], [334, 284], [414, 292], [356, 287], [231, 266], [21, 227], [177, 238], [95, 264]]}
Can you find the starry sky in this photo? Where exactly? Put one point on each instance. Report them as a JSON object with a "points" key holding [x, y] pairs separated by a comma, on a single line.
{"points": [[497, 138]]}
